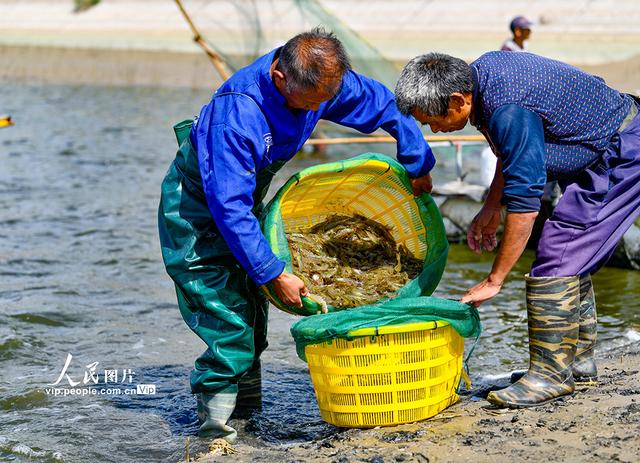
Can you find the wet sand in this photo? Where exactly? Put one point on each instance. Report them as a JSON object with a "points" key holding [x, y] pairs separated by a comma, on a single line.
{"points": [[597, 424]]}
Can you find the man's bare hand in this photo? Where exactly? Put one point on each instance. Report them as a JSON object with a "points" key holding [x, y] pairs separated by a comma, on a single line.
{"points": [[482, 231], [421, 184], [481, 292], [290, 288]]}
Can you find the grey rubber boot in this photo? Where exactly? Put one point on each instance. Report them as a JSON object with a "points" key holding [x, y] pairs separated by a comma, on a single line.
{"points": [[214, 411], [584, 366], [552, 311]]}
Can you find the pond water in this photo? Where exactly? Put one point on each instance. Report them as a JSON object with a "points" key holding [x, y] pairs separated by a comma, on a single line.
{"points": [[81, 275]]}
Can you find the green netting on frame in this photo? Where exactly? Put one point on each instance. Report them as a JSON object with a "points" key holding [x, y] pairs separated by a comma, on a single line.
{"points": [[324, 327], [371, 185], [242, 30]]}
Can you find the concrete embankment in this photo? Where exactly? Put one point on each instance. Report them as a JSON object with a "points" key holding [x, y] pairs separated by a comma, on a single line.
{"points": [[136, 42]]}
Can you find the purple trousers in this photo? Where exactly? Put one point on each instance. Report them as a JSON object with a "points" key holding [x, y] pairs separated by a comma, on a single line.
{"points": [[595, 210]]}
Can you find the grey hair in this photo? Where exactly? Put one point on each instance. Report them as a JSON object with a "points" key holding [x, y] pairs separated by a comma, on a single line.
{"points": [[310, 58], [428, 80]]}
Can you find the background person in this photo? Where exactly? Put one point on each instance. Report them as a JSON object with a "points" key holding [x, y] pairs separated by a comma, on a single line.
{"points": [[521, 31], [546, 120]]}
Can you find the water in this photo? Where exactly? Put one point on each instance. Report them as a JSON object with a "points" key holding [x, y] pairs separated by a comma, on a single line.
{"points": [[81, 274]]}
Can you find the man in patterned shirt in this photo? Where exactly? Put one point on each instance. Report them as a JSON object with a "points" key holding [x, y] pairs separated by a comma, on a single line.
{"points": [[546, 120]]}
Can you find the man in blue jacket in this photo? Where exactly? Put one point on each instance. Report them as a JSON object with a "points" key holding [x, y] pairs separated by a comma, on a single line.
{"points": [[211, 240], [546, 120]]}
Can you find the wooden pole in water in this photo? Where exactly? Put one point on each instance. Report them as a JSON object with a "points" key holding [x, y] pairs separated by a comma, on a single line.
{"points": [[389, 139], [215, 58]]}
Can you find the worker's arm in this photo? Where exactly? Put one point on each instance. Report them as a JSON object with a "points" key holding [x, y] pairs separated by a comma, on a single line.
{"points": [[518, 135], [228, 175], [367, 105], [517, 229], [230, 151], [483, 228]]}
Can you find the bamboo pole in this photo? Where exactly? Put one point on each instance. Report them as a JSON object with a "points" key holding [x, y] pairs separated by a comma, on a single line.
{"points": [[389, 139], [215, 58]]}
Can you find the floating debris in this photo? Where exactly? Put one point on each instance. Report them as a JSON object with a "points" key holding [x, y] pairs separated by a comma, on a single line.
{"points": [[5, 121], [351, 261]]}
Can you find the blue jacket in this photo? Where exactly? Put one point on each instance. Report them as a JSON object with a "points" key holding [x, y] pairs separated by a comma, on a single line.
{"points": [[247, 127], [546, 120]]}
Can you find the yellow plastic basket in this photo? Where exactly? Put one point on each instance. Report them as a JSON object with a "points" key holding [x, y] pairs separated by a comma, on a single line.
{"points": [[397, 374]]}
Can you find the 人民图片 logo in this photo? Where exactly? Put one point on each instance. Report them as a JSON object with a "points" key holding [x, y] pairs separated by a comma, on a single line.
{"points": [[113, 381]]}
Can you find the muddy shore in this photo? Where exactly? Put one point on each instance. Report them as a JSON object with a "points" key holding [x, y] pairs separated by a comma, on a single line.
{"points": [[597, 424]]}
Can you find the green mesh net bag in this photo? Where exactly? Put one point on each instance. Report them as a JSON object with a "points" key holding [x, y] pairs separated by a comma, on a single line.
{"points": [[373, 318]]}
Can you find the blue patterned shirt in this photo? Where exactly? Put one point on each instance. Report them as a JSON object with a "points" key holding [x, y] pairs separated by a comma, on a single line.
{"points": [[566, 116]]}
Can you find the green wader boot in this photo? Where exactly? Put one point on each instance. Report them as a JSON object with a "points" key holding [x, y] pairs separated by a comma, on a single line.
{"points": [[552, 310], [249, 392], [216, 297], [584, 366]]}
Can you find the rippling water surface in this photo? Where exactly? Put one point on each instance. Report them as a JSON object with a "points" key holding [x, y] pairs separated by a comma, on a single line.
{"points": [[81, 274]]}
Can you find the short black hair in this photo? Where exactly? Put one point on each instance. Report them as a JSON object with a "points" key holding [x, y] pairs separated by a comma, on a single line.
{"points": [[310, 57]]}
